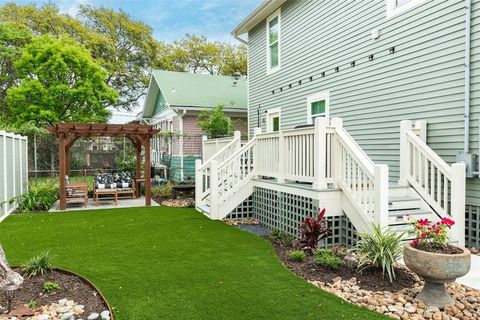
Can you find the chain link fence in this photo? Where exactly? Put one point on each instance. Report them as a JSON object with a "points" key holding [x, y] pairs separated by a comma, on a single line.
{"points": [[173, 158]]}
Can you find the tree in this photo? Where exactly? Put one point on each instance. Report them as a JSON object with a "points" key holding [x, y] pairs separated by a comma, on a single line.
{"points": [[125, 47], [215, 123], [58, 81], [12, 41], [198, 55], [122, 45]]}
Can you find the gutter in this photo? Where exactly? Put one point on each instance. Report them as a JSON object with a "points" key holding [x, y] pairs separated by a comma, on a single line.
{"points": [[245, 42]]}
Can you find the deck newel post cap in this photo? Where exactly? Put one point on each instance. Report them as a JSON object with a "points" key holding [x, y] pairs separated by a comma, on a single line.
{"points": [[257, 131], [237, 134], [337, 122]]}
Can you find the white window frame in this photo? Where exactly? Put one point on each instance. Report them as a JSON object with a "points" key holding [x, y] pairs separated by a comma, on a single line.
{"points": [[276, 14], [323, 95], [270, 113], [393, 10]]}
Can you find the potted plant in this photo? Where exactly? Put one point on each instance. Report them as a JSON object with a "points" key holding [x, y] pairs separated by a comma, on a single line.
{"points": [[430, 256]]}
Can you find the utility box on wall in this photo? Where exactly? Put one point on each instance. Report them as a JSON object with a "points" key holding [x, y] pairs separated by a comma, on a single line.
{"points": [[471, 163]]}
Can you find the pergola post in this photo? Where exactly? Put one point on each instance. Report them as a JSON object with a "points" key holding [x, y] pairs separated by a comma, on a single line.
{"points": [[148, 191], [67, 161], [138, 168], [63, 171]]}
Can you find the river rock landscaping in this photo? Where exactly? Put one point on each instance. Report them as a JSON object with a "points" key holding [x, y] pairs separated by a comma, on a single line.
{"points": [[71, 298], [369, 289]]}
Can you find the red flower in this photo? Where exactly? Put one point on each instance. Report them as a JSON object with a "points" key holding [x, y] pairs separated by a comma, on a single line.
{"points": [[423, 222], [447, 221], [415, 242], [437, 231], [423, 235]]}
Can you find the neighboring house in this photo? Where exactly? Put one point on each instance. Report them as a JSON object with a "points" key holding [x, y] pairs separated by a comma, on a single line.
{"points": [[173, 102], [373, 64]]}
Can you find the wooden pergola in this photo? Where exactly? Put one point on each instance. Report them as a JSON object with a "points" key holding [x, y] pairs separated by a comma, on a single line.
{"points": [[138, 134]]}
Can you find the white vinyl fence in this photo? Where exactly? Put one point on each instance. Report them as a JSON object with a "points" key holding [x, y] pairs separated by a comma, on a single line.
{"points": [[13, 170]]}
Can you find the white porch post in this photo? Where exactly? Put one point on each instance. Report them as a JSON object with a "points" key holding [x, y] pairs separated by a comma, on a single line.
{"points": [[198, 182], [381, 195], [336, 152], [458, 202], [213, 189], [256, 131], [421, 125], [237, 135], [204, 138], [281, 157], [405, 126], [319, 153]]}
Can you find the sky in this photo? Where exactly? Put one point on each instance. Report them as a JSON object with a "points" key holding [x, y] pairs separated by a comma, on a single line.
{"points": [[171, 19]]}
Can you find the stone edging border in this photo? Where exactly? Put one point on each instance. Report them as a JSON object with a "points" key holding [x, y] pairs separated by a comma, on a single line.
{"points": [[89, 283]]}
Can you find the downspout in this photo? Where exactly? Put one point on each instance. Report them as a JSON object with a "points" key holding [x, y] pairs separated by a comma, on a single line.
{"points": [[468, 4]]}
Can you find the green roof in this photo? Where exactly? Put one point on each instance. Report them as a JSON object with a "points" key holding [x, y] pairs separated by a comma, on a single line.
{"points": [[193, 90]]}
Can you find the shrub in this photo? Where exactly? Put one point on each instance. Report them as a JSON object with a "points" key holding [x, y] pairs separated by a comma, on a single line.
{"points": [[379, 249], [312, 231], [38, 199], [163, 190], [297, 255], [38, 265], [214, 123], [281, 237], [50, 286], [325, 257], [426, 232], [32, 304]]}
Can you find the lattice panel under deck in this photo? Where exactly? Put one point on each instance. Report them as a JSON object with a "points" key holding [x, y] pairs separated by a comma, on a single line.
{"points": [[472, 226], [285, 212]]}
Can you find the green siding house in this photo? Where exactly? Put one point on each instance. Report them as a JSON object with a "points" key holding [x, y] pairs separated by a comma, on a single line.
{"points": [[349, 78], [173, 102]]}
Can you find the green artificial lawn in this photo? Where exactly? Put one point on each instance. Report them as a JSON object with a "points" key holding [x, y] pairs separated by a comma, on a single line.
{"points": [[164, 263]]}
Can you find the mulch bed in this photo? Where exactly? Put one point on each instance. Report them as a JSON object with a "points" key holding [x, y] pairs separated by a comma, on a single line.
{"points": [[369, 279], [72, 286], [179, 202]]}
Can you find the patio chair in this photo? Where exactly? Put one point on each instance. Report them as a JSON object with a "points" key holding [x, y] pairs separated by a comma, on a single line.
{"points": [[76, 191]]}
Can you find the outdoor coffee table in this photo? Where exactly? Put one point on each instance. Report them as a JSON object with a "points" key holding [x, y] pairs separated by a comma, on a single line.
{"points": [[111, 192]]}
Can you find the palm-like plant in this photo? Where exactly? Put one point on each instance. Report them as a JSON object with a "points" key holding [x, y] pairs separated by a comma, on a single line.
{"points": [[379, 249]]}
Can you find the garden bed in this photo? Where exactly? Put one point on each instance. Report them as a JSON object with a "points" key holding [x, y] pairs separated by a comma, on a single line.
{"points": [[75, 295], [369, 289], [370, 279]]}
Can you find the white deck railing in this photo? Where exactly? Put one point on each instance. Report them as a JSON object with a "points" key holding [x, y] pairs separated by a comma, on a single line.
{"points": [[322, 155], [441, 185], [210, 147]]}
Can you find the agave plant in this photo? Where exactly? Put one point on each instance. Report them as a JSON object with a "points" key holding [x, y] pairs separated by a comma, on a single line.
{"points": [[312, 231]]}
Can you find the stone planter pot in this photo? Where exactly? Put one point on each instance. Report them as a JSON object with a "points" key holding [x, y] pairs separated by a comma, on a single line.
{"points": [[436, 269]]}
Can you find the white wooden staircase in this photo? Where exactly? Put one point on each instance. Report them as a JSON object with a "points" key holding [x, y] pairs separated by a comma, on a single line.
{"points": [[329, 158]]}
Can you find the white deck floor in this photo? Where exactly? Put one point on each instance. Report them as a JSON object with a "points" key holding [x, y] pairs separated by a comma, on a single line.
{"points": [[105, 203]]}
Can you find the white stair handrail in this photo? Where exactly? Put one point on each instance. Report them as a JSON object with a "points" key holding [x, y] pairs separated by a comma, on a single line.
{"points": [[441, 185], [363, 182]]}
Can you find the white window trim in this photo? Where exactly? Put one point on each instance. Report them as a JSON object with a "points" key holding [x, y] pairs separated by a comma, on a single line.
{"points": [[274, 15], [271, 112], [324, 95], [393, 10]]}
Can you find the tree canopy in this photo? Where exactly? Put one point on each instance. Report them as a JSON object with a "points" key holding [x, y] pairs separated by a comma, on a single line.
{"points": [[121, 45], [58, 81]]}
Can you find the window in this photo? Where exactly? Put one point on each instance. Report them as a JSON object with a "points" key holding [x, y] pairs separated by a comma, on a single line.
{"points": [[273, 120], [273, 42], [318, 106], [396, 7]]}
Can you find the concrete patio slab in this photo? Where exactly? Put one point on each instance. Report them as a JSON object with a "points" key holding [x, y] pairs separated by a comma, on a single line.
{"points": [[105, 203], [472, 279]]}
